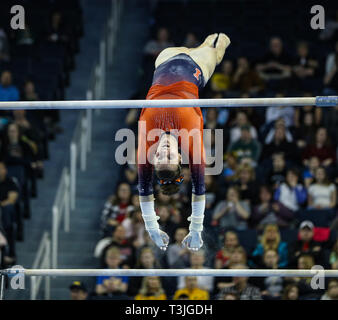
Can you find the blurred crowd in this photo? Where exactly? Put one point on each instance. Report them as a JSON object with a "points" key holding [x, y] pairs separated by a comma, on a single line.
{"points": [[35, 63]]}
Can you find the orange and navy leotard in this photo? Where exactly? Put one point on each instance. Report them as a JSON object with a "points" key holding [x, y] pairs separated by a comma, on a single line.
{"points": [[177, 78]]}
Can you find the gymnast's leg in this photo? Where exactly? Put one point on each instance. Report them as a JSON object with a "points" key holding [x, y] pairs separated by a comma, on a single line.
{"points": [[207, 55]]}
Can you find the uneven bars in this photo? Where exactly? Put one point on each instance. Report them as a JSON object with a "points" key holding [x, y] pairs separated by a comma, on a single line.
{"points": [[172, 272], [325, 101]]}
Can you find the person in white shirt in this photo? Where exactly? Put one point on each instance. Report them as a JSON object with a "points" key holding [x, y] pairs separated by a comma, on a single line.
{"points": [[322, 193]]}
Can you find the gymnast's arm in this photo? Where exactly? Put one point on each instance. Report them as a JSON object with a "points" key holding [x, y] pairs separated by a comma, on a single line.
{"points": [[147, 204]]}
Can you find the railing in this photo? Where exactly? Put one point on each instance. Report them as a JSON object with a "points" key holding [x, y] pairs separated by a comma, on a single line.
{"points": [[42, 260], [61, 209]]}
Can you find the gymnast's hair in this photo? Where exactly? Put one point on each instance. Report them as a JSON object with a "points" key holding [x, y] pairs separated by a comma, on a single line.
{"points": [[170, 188]]}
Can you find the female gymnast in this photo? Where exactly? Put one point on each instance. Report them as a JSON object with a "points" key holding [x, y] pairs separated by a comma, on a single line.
{"points": [[179, 73]]}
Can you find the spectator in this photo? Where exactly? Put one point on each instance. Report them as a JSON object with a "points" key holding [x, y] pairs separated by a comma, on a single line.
{"points": [[151, 289], [197, 260], [291, 193], [332, 290], [232, 212], [26, 36], [246, 183], [300, 113], [116, 208], [192, 290], [291, 292], [240, 286], [268, 211], [57, 30], [321, 148], [276, 175], [165, 222], [322, 193], [78, 291], [106, 285], [9, 194], [334, 256], [231, 242], [283, 112], [230, 166], [240, 121], [305, 132], [246, 79], [238, 256], [178, 257], [305, 66], [8, 91], [154, 47], [279, 123], [276, 63], [222, 81], [4, 47], [271, 240], [211, 190], [310, 171], [305, 245], [119, 240], [331, 74], [134, 226], [246, 147]]}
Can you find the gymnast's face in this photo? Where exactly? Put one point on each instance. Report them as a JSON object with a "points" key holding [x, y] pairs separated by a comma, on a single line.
{"points": [[167, 156]]}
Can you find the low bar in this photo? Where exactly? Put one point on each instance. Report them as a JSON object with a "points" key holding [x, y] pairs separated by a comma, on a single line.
{"points": [[326, 101], [173, 272]]}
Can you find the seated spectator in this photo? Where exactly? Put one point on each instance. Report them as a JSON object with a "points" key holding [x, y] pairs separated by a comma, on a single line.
{"points": [[232, 212], [322, 193], [211, 190], [116, 208], [8, 91], [280, 144], [231, 242], [106, 285], [321, 147], [146, 260], [291, 193], [310, 171], [9, 194], [330, 122], [29, 92], [191, 40], [197, 260], [240, 287], [78, 291], [246, 79], [276, 175], [192, 290], [134, 226], [331, 74], [222, 81], [246, 147], [151, 289], [271, 240], [240, 121], [304, 67], [276, 63], [57, 29], [214, 118], [332, 290], [334, 256], [178, 257], [246, 183], [279, 123], [286, 113], [4, 47], [118, 239], [230, 166], [268, 211], [272, 287], [300, 114], [154, 47], [305, 245], [306, 292], [291, 292], [165, 222]]}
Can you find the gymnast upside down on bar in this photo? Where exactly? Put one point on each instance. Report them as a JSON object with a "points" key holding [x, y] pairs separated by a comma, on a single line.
{"points": [[179, 74]]}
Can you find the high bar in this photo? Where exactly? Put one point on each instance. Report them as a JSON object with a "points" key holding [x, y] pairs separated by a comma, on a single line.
{"points": [[321, 101], [172, 272]]}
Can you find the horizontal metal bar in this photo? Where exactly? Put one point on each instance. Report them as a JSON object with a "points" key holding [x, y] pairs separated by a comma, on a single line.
{"points": [[172, 103], [173, 272]]}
